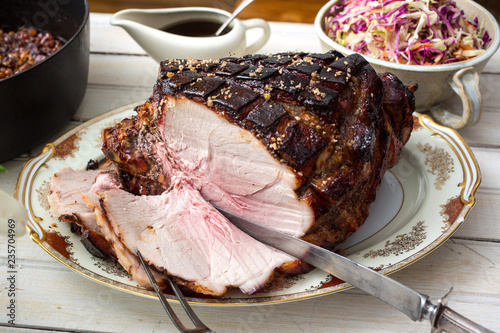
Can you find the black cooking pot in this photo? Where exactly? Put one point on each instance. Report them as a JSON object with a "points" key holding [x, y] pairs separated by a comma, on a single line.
{"points": [[37, 102]]}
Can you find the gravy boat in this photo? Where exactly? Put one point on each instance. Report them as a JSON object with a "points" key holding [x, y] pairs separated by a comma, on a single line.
{"points": [[144, 26]]}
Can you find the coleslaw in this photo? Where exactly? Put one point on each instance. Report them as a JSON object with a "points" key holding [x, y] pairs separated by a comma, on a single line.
{"points": [[416, 32]]}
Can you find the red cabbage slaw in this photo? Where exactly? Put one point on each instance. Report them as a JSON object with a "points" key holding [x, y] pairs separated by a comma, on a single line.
{"points": [[416, 32]]}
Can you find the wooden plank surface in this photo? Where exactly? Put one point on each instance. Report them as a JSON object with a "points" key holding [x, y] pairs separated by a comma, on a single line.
{"points": [[52, 298]]}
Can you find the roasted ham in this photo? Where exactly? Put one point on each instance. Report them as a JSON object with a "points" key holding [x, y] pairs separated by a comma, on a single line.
{"points": [[298, 142]]}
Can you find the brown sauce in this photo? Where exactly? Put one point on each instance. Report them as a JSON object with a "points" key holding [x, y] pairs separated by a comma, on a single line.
{"points": [[58, 242], [195, 29], [335, 281]]}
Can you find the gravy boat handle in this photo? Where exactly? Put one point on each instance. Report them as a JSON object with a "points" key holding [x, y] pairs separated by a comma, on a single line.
{"points": [[262, 39]]}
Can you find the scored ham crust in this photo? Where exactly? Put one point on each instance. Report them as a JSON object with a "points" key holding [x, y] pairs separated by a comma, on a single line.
{"points": [[298, 142]]}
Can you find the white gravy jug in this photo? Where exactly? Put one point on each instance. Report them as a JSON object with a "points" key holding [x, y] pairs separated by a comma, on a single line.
{"points": [[146, 26]]}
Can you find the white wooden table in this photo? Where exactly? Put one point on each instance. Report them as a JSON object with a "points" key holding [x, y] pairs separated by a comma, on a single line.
{"points": [[50, 297]]}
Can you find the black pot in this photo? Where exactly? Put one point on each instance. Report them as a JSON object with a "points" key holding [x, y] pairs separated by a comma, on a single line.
{"points": [[36, 103]]}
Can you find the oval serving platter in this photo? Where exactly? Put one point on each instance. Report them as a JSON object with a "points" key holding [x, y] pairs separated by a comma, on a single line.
{"points": [[421, 203]]}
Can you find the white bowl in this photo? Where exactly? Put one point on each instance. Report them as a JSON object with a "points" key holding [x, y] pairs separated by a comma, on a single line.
{"points": [[436, 83]]}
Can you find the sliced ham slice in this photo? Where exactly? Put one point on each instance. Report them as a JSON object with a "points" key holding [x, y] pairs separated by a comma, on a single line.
{"points": [[66, 204], [106, 181], [182, 234], [65, 200]]}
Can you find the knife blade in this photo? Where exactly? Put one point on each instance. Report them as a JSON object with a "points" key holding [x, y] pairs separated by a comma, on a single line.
{"points": [[415, 305]]}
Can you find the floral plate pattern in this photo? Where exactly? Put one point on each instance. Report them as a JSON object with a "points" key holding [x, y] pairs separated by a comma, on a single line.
{"points": [[421, 203]]}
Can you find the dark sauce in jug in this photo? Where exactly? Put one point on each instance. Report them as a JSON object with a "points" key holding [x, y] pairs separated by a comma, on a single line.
{"points": [[195, 29]]}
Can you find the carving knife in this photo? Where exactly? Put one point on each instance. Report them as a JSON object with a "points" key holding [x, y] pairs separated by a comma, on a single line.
{"points": [[415, 305]]}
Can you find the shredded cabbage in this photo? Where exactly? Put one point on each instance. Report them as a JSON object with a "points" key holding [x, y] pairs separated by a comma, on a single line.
{"points": [[416, 32]]}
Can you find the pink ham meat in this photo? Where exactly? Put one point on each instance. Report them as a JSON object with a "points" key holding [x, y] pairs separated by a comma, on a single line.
{"points": [[219, 159]]}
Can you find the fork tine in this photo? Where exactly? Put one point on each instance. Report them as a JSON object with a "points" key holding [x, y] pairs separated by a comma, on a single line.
{"points": [[199, 326], [194, 318]]}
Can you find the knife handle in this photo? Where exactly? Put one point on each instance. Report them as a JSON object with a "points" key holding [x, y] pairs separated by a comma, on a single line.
{"points": [[453, 322]]}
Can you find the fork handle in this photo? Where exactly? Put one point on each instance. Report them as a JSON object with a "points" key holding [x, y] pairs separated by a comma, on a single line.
{"points": [[453, 322]]}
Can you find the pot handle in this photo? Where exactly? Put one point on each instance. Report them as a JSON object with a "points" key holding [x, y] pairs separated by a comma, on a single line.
{"points": [[262, 39], [465, 83]]}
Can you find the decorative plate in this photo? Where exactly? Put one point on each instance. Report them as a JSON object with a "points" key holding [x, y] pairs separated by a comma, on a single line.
{"points": [[421, 203]]}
